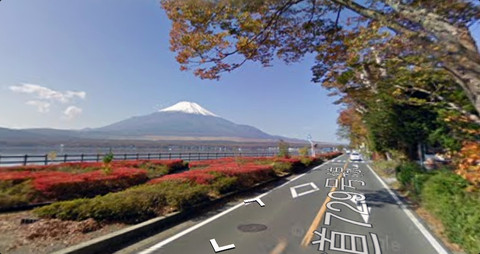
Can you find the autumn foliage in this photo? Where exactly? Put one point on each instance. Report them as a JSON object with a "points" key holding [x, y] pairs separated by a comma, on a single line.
{"points": [[62, 187], [68, 181], [469, 162], [82, 179]]}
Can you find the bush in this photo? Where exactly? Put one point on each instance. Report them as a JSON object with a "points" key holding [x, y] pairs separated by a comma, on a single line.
{"points": [[283, 149], [444, 195], [386, 166], [307, 161], [406, 173], [131, 206], [224, 184], [195, 176], [282, 168], [108, 158], [16, 194], [68, 186], [303, 151]]}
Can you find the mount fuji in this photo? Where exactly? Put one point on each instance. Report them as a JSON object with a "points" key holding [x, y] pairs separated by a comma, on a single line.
{"points": [[184, 120], [189, 108]]}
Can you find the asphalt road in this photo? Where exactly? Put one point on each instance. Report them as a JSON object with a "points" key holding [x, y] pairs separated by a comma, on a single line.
{"points": [[338, 207]]}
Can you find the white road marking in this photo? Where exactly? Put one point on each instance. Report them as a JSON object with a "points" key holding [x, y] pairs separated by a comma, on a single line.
{"points": [[295, 194], [217, 248], [186, 231], [258, 200], [376, 244], [435, 244], [362, 206]]}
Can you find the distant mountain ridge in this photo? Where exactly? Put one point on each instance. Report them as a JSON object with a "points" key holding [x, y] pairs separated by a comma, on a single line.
{"points": [[186, 120]]}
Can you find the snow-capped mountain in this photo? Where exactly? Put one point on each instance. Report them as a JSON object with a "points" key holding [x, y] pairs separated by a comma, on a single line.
{"points": [[189, 108], [183, 120]]}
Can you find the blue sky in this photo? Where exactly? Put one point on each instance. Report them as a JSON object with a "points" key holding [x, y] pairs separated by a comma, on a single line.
{"points": [[96, 62]]}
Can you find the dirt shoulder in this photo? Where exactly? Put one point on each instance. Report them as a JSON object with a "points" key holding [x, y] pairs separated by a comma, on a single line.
{"points": [[47, 235]]}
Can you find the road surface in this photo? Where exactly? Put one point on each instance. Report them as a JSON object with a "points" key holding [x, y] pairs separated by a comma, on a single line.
{"points": [[337, 207]]}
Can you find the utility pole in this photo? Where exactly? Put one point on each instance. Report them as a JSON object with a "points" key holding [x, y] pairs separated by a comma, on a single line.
{"points": [[309, 137]]}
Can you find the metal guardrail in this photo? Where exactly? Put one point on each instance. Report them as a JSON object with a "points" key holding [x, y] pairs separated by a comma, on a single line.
{"points": [[44, 159]]}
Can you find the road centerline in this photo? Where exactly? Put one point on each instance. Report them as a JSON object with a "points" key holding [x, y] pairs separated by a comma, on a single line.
{"points": [[318, 218]]}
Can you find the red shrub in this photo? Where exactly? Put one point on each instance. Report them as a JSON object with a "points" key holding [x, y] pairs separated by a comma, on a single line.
{"points": [[172, 164], [197, 176], [204, 163], [24, 175], [67, 186], [80, 165], [24, 168], [15, 175]]}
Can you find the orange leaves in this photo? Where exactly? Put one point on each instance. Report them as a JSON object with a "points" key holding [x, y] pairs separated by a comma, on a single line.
{"points": [[469, 162]]}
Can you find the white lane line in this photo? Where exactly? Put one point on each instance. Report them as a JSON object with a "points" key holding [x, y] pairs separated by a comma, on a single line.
{"points": [[435, 244], [186, 231]]}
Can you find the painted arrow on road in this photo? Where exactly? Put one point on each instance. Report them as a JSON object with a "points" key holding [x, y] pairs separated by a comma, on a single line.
{"points": [[362, 206], [246, 201], [217, 248]]}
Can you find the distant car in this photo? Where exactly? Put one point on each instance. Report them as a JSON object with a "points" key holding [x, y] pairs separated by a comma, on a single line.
{"points": [[347, 151], [355, 157]]}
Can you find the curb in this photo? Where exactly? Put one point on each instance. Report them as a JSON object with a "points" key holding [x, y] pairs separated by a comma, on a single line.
{"points": [[107, 242], [117, 240]]}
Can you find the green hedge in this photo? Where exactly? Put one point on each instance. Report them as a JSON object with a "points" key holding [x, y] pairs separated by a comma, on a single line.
{"points": [[444, 194], [131, 206], [16, 194], [406, 173]]}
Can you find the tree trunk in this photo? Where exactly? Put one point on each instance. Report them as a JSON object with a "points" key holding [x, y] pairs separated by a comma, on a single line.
{"points": [[458, 53]]}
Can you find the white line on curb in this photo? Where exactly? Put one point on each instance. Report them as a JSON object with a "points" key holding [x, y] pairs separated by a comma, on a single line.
{"points": [[435, 244], [174, 237]]}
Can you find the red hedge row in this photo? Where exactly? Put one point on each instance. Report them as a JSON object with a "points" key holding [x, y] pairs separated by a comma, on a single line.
{"points": [[197, 176], [89, 184], [176, 163], [246, 173]]}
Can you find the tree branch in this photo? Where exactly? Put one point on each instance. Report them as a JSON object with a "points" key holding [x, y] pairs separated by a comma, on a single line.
{"points": [[451, 105]]}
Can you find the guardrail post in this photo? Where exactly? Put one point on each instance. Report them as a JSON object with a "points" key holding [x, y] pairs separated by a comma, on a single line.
{"points": [[65, 158], [124, 156], [148, 156], [170, 156], [137, 156], [46, 159], [98, 157], [81, 157], [189, 159], [25, 159]]}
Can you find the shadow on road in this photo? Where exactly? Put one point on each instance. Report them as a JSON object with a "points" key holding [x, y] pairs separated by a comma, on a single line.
{"points": [[379, 198]]}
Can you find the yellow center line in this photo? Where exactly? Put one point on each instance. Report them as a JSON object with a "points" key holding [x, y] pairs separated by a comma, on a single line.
{"points": [[309, 235], [282, 244]]}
